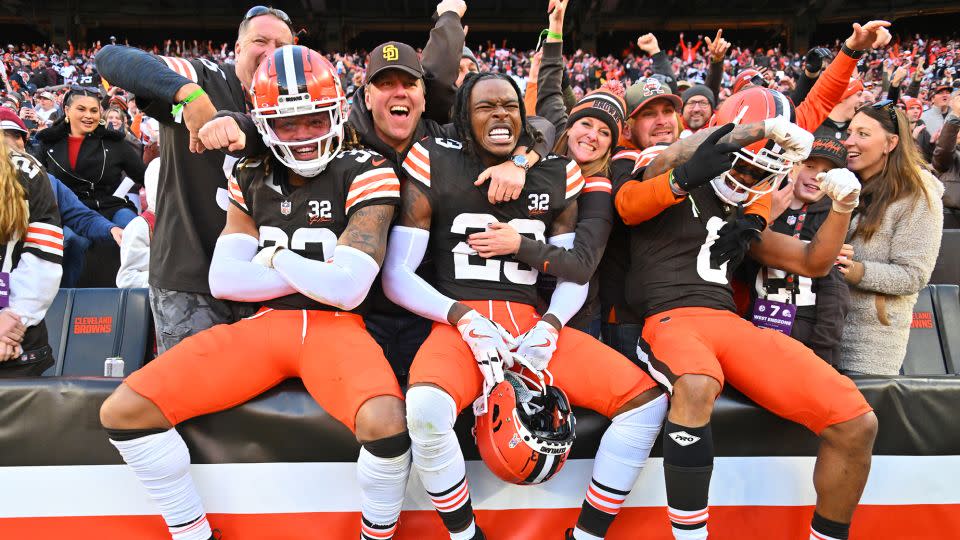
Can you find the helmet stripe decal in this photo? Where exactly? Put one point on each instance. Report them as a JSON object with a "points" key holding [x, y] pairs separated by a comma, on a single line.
{"points": [[299, 56], [289, 70]]}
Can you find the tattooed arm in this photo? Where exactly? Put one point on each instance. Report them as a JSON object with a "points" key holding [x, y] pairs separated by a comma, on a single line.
{"points": [[682, 150], [344, 280]]}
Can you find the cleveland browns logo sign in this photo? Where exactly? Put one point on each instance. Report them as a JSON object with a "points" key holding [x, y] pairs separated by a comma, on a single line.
{"points": [[391, 53]]}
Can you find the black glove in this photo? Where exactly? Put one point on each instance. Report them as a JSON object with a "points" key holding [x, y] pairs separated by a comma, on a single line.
{"points": [[815, 57], [708, 162], [735, 238]]}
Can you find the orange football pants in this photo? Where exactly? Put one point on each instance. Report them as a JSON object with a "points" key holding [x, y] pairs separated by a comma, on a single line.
{"points": [[340, 363], [593, 375], [776, 371]]}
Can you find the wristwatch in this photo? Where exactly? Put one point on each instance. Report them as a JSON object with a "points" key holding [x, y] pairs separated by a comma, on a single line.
{"points": [[521, 161]]}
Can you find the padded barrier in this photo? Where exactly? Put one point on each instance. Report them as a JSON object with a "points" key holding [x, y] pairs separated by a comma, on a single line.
{"points": [[88, 325], [54, 421], [279, 468]]}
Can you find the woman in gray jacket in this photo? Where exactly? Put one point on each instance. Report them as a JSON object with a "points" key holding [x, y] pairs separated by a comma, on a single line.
{"points": [[895, 234]]}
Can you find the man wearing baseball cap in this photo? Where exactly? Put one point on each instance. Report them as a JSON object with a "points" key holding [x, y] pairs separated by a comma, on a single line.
{"points": [[822, 303], [652, 117], [939, 108]]}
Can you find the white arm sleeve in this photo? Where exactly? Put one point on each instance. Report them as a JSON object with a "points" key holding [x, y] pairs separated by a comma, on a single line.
{"points": [[234, 277], [569, 296], [134, 255], [33, 286], [343, 282], [402, 285]]}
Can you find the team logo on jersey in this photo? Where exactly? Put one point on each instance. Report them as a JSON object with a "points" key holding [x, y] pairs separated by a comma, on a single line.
{"points": [[391, 53], [285, 208], [791, 220], [683, 438]]}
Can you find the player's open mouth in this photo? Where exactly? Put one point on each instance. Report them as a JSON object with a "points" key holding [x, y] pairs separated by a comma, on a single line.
{"points": [[401, 111], [499, 135], [304, 151]]}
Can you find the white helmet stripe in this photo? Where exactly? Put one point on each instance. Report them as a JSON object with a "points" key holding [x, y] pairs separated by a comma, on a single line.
{"points": [[290, 71]]}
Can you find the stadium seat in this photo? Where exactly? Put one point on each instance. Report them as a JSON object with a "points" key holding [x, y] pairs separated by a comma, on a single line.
{"points": [[947, 270], [58, 319], [924, 352], [946, 306], [88, 325]]}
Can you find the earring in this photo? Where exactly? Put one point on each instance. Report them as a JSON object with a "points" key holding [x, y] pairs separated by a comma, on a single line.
{"points": [[66, 119]]}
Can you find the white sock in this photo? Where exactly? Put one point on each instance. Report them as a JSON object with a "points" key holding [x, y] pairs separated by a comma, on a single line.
{"points": [[623, 452], [437, 457], [162, 464], [466, 534], [580, 534], [383, 482], [695, 534]]}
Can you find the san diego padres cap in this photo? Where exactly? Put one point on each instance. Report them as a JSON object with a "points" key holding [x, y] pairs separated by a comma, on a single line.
{"points": [[394, 55]]}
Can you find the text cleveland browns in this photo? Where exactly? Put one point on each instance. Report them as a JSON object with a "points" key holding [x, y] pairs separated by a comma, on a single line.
{"points": [[92, 325]]}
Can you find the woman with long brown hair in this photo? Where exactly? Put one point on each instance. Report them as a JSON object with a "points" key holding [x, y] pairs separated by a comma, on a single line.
{"points": [[29, 262], [895, 234]]}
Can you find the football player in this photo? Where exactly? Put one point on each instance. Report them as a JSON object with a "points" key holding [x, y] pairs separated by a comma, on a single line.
{"points": [[484, 310], [693, 342], [305, 235]]}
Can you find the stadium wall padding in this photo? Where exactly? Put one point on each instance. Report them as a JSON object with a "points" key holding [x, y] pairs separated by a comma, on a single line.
{"points": [[278, 467]]}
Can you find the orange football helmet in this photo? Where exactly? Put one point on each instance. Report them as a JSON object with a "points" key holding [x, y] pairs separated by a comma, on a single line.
{"points": [[763, 160], [527, 431], [294, 81]]}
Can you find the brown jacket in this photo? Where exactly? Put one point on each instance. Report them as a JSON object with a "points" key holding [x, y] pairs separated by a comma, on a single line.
{"points": [[946, 161]]}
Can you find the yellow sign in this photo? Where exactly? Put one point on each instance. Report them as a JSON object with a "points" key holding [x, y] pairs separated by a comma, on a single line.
{"points": [[391, 53]]}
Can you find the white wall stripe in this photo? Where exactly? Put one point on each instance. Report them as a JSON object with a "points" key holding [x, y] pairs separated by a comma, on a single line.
{"points": [[331, 487]]}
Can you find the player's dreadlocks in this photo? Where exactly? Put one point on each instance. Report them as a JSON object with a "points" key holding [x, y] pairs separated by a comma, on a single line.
{"points": [[461, 110]]}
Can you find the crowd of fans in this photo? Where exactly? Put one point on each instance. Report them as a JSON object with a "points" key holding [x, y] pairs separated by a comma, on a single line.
{"points": [[47, 86], [683, 162]]}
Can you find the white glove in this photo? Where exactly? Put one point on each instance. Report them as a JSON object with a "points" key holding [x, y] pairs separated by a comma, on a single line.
{"points": [[538, 344], [490, 343], [842, 187], [795, 141], [265, 257]]}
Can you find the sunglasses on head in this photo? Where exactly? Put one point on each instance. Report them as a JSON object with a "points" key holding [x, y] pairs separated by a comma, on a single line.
{"points": [[889, 106], [257, 11]]}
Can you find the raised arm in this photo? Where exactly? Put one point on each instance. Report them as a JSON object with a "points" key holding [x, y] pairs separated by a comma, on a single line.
{"points": [[441, 60], [549, 96]]}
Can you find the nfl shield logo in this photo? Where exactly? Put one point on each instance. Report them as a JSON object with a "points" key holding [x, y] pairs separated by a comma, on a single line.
{"points": [[285, 208]]}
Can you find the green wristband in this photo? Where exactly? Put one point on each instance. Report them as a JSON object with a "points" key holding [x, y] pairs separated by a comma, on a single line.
{"points": [[177, 110], [554, 35]]}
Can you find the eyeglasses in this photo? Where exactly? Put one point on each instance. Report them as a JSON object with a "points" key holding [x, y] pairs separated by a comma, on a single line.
{"points": [[889, 106], [697, 104], [75, 88], [257, 11]]}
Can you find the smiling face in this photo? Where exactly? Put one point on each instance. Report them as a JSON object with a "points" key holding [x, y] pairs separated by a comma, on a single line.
{"points": [[83, 114], [867, 144], [588, 140], [806, 187], [114, 119], [655, 123], [304, 127], [495, 118], [696, 112], [396, 100], [260, 37]]}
